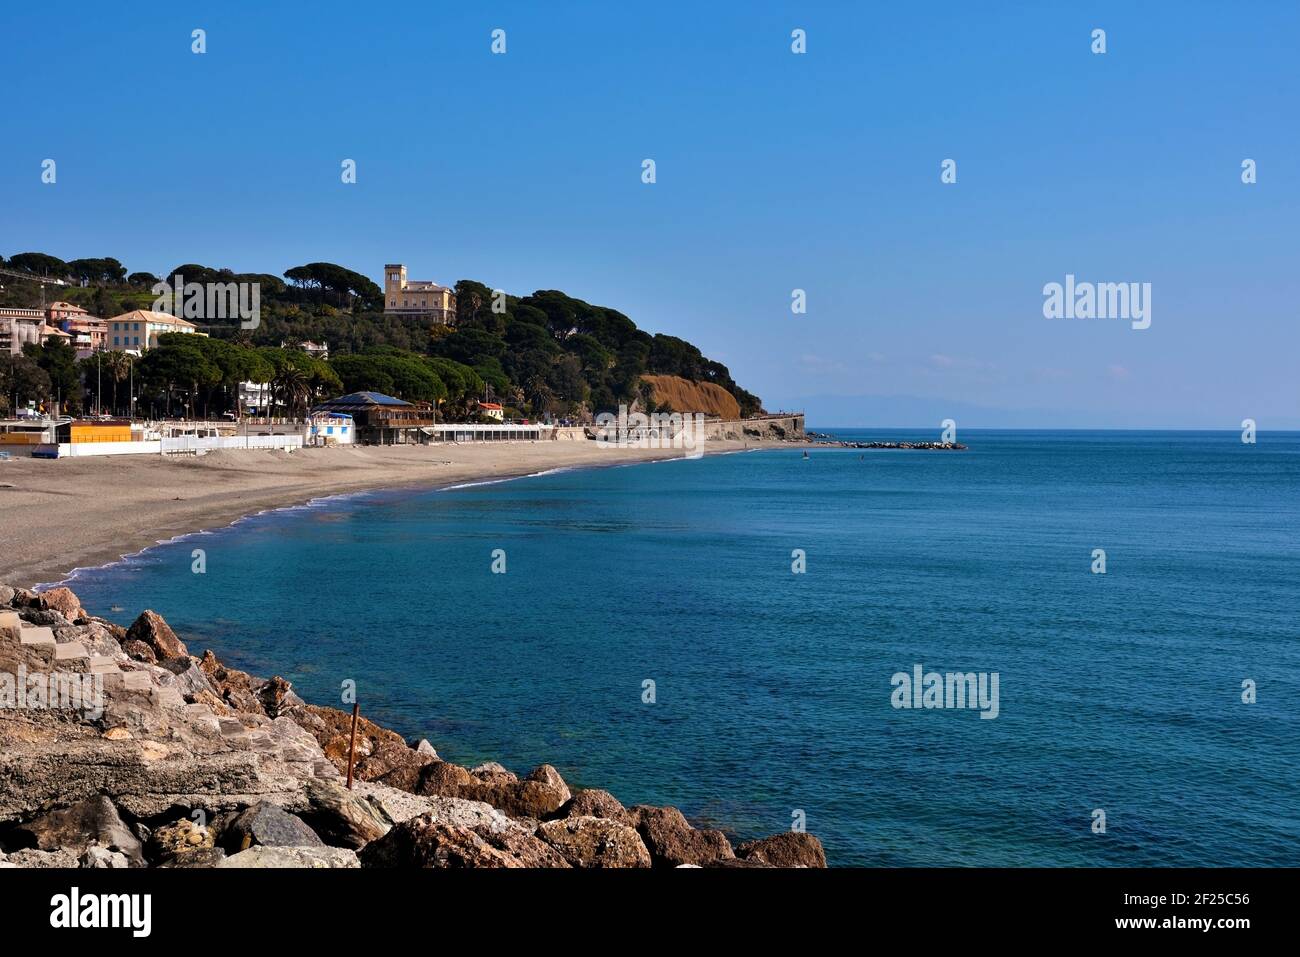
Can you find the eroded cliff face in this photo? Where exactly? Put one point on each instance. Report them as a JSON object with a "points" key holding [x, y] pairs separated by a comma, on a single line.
{"points": [[180, 761], [686, 396]]}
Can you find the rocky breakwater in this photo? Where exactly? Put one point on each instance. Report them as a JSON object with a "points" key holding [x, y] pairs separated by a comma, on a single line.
{"points": [[932, 446], [119, 748]]}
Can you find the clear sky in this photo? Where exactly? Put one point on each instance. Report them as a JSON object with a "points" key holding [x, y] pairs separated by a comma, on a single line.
{"points": [[775, 171]]}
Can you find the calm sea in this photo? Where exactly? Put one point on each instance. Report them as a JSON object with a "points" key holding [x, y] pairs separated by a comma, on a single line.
{"points": [[1119, 692]]}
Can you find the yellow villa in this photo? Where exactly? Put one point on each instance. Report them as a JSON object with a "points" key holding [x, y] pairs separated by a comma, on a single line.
{"points": [[416, 297], [139, 329]]}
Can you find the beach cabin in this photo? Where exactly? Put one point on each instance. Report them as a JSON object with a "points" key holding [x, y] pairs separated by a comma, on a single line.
{"points": [[330, 428], [380, 419], [22, 436], [80, 431]]}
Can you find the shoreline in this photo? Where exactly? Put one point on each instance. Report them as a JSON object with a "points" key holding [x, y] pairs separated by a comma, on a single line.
{"points": [[166, 733], [144, 739], [75, 515]]}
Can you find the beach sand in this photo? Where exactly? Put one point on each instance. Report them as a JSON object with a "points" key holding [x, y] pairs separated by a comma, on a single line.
{"points": [[57, 515]]}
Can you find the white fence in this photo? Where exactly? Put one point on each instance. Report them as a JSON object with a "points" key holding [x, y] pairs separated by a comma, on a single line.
{"points": [[177, 445], [184, 444]]}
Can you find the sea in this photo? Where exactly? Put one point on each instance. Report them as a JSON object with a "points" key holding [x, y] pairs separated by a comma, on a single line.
{"points": [[737, 636]]}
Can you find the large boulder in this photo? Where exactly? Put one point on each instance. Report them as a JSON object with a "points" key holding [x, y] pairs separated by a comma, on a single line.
{"points": [[278, 857], [490, 772], [593, 802], [539, 795], [62, 600], [278, 697], [267, 825], [595, 842], [397, 765], [426, 842], [398, 806], [342, 817], [791, 849], [46, 761], [139, 651], [153, 631], [83, 825], [672, 841], [444, 779], [237, 689]]}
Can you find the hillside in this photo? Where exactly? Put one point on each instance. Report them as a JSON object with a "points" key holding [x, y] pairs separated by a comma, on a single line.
{"points": [[683, 395], [542, 354]]}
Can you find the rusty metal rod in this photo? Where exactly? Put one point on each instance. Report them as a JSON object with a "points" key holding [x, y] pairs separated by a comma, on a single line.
{"points": [[352, 745]]}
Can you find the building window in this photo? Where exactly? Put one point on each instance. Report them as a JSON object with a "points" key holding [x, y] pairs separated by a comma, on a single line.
{"points": [[137, 341], [137, 327], [115, 340]]}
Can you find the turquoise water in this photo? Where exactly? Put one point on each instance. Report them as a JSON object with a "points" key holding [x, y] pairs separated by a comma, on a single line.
{"points": [[1119, 692]]}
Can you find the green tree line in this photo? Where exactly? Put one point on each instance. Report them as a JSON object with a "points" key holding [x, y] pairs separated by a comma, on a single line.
{"points": [[546, 353]]}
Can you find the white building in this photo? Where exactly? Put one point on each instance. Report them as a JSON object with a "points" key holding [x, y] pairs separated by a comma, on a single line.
{"points": [[19, 327], [254, 397], [329, 428], [319, 350]]}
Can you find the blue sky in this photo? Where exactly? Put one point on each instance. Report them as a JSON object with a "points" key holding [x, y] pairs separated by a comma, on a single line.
{"points": [[775, 171]]}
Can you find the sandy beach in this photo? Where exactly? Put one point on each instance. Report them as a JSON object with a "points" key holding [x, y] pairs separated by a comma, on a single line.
{"points": [[59, 515]]}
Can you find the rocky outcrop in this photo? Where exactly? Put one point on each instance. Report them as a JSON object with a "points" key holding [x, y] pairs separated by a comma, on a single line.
{"points": [[237, 690], [398, 807], [150, 630], [541, 793], [280, 857], [425, 841], [595, 842], [185, 762], [87, 824], [341, 817], [593, 802], [63, 601], [266, 825], [672, 841], [791, 849]]}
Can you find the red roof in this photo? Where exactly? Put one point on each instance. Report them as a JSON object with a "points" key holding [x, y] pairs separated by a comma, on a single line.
{"points": [[488, 405]]}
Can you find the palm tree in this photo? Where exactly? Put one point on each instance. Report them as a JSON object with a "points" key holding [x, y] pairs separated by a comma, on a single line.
{"points": [[118, 365], [292, 387], [540, 393]]}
